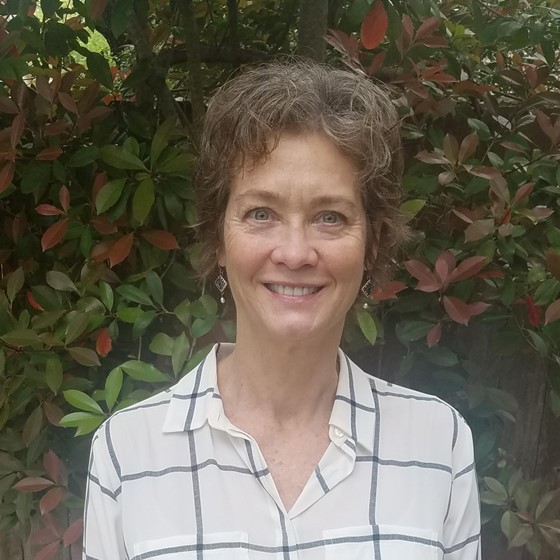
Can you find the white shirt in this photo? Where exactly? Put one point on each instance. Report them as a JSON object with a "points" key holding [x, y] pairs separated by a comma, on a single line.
{"points": [[172, 479]]}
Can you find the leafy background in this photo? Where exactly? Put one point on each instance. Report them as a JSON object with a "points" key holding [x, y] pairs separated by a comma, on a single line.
{"points": [[100, 110]]}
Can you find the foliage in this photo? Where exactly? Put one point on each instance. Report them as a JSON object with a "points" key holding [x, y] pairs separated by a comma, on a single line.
{"points": [[99, 308]]}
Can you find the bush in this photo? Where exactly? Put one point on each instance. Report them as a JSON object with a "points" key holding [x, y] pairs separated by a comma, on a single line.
{"points": [[98, 307]]}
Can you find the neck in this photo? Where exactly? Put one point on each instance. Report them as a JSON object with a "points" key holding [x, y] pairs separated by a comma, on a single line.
{"points": [[287, 383]]}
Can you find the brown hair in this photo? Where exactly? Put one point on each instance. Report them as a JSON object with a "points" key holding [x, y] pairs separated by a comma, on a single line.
{"points": [[246, 117]]}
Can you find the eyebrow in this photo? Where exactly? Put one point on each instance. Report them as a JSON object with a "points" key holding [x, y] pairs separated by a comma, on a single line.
{"points": [[270, 196]]}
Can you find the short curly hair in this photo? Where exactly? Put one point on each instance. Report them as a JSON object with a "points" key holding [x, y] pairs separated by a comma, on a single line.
{"points": [[246, 117]]}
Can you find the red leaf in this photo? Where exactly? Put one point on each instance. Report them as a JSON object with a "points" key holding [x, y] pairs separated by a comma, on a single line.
{"points": [[96, 8], [32, 302], [103, 225], [68, 102], [534, 312], [54, 234], [552, 312], [445, 264], [64, 197], [8, 106], [376, 63], [514, 147], [50, 500], [478, 307], [468, 268], [48, 552], [491, 274], [408, 27], [427, 28], [434, 335], [74, 532], [427, 281], [468, 147], [457, 309], [120, 250], [98, 183], [17, 128], [48, 210], [523, 192], [7, 175], [49, 154], [33, 484], [53, 413], [553, 263], [546, 125], [103, 343], [374, 27], [161, 239], [55, 467], [388, 290], [56, 128]]}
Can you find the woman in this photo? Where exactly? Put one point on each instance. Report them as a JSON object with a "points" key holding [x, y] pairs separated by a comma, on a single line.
{"points": [[279, 447]]}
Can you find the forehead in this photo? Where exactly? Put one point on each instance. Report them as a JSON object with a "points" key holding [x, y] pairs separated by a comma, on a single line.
{"points": [[300, 166]]}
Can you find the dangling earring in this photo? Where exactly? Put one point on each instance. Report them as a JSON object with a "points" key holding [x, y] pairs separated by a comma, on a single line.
{"points": [[367, 288], [221, 284]]}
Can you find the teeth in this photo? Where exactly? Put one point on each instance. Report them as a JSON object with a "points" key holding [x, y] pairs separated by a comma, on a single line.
{"points": [[292, 290]]}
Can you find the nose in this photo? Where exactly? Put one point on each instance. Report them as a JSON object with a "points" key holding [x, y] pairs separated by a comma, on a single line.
{"points": [[294, 248]]}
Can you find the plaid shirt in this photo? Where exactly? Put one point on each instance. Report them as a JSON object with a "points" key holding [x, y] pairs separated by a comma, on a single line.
{"points": [[172, 479]]}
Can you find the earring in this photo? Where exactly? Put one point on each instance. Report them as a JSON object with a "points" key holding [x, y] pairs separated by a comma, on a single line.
{"points": [[221, 284], [367, 288]]}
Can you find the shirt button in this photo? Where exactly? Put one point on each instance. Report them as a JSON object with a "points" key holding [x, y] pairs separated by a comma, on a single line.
{"points": [[338, 432]]}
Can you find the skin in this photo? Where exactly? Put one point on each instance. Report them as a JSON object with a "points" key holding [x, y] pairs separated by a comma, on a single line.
{"points": [[295, 220]]}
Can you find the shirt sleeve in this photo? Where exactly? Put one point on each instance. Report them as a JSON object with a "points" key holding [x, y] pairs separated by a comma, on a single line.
{"points": [[461, 529], [103, 537]]}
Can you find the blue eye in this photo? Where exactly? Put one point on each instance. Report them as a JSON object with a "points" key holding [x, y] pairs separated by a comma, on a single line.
{"points": [[259, 214], [330, 217]]}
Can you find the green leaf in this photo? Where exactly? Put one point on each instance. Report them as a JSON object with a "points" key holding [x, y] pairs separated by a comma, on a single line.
{"points": [[442, 356], [411, 207], [83, 156], [480, 128], [132, 293], [20, 338], [77, 324], [179, 353], [540, 343], [113, 386], [15, 283], [60, 281], [109, 195], [410, 331], [200, 327], [367, 326], [161, 139], [84, 356], [99, 68], [53, 373], [155, 287], [106, 295], [141, 371], [183, 312], [86, 422], [143, 200], [162, 344], [120, 158], [81, 400], [143, 321], [129, 314], [547, 292]]}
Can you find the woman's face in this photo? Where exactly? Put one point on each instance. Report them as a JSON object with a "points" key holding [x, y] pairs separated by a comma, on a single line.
{"points": [[294, 241]]}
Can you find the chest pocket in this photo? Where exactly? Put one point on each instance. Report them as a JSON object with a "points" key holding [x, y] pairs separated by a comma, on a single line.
{"points": [[391, 542], [214, 546]]}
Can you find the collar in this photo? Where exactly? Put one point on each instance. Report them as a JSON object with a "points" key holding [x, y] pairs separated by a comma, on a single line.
{"points": [[195, 400]]}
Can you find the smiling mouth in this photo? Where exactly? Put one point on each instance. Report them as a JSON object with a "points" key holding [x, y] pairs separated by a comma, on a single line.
{"points": [[292, 290]]}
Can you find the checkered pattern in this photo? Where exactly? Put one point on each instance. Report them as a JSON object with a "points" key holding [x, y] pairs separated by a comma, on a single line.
{"points": [[172, 479]]}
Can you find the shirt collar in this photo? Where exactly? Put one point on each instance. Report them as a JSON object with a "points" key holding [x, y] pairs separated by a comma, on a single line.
{"points": [[354, 407], [193, 400]]}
